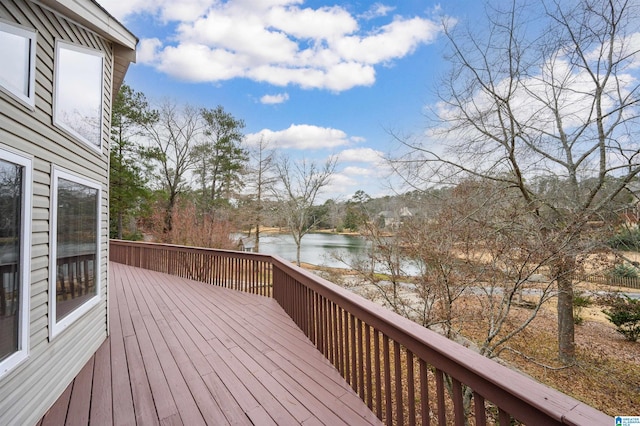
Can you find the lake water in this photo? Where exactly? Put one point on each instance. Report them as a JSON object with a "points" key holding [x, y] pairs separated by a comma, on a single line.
{"points": [[324, 250], [316, 249]]}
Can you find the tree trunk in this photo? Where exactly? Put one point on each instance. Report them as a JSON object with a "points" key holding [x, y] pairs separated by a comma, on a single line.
{"points": [[566, 341], [168, 214], [120, 214], [256, 248]]}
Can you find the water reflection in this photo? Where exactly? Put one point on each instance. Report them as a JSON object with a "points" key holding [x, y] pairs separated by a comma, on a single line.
{"points": [[316, 249], [326, 250]]}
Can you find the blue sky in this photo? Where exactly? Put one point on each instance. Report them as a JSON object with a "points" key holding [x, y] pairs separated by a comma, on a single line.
{"points": [[314, 78]]}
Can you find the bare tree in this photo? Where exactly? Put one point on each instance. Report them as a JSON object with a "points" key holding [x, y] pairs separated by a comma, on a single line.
{"points": [[171, 141], [381, 271], [478, 262], [550, 89], [301, 181], [261, 178]]}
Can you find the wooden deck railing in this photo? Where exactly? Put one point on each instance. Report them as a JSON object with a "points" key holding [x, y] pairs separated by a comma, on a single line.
{"points": [[610, 280], [405, 373], [249, 272]]}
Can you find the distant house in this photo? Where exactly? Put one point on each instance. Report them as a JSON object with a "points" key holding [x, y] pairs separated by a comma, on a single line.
{"points": [[395, 218], [61, 65], [247, 244]]}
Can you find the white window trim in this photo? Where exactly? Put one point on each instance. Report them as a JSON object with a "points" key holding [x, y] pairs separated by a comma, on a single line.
{"points": [[25, 257], [56, 327], [29, 100], [59, 123]]}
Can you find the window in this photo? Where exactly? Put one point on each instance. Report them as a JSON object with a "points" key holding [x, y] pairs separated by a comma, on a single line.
{"points": [[75, 247], [18, 53], [15, 246], [78, 93]]}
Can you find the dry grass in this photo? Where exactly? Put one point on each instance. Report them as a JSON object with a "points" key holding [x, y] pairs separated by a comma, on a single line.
{"points": [[606, 374]]}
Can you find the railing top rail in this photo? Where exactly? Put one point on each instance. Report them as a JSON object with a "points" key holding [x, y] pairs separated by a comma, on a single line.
{"points": [[174, 247]]}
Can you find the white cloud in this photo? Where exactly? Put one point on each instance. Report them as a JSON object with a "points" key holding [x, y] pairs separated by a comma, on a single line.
{"points": [[198, 63], [371, 165], [147, 50], [301, 136], [339, 186], [627, 47], [392, 41], [279, 42], [357, 171], [164, 10], [633, 45], [325, 23], [377, 10], [274, 99], [363, 155]]}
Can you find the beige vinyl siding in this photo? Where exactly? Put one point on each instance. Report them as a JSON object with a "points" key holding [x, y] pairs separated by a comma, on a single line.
{"points": [[30, 389]]}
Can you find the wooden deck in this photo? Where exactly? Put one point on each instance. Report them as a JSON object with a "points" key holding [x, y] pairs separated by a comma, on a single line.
{"points": [[183, 352]]}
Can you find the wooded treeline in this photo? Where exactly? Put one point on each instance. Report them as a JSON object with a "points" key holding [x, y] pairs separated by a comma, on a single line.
{"points": [[185, 175]]}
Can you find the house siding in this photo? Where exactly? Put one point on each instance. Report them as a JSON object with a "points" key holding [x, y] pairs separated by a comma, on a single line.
{"points": [[52, 364]]}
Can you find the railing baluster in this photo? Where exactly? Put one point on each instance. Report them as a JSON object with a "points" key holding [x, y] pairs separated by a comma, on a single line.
{"points": [[458, 408], [330, 348], [347, 356], [411, 393], [367, 333], [327, 328], [341, 342], [504, 417], [317, 321], [387, 380], [302, 308], [307, 314], [424, 394], [397, 361], [479, 409], [336, 336], [442, 414], [311, 314], [378, 371], [238, 276], [360, 360], [354, 373]]}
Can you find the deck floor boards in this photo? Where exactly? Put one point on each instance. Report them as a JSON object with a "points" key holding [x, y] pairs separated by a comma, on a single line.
{"points": [[185, 353]]}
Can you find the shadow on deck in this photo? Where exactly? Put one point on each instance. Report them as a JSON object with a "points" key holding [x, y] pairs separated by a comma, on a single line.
{"points": [[181, 352]]}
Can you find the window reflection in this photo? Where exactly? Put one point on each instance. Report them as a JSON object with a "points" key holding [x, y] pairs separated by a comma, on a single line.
{"points": [[77, 239], [78, 94], [17, 50], [11, 176]]}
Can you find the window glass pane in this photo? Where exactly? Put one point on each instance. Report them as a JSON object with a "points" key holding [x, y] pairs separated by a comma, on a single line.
{"points": [[79, 93], [77, 239], [14, 72], [11, 176]]}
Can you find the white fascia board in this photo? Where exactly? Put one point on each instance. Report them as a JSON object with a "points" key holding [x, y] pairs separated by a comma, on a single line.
{"points": [[92, 16]]}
